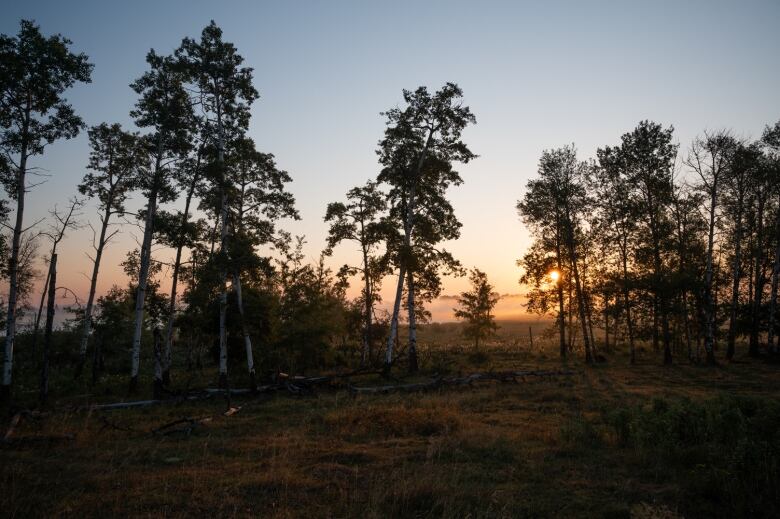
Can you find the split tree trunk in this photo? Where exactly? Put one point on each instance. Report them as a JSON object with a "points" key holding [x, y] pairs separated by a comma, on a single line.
{"points": [[86, 329], [143, 274], [394, 319], [49, 324], [250, 362]]}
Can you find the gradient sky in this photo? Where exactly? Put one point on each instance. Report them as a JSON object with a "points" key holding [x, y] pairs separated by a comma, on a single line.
{"points": [[536, 74]]}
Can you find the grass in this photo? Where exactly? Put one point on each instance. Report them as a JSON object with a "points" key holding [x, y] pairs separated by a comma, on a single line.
{"points": [[611, 441]]}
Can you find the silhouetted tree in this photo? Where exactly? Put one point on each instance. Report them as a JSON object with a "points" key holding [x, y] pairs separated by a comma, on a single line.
{"points": [[421, 142], [164, 107], [114, 160], [475, 307], [35, 71], [360, 220]]}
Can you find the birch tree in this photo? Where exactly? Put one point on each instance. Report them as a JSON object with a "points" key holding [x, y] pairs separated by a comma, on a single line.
{"points": [[178, 231], [225, 91], [649, 156], [115, 156], [710, 158], [258, 200], [35, 72], [617, 223], [360, 221], [737, 182], [163, 107], [421, 142]]}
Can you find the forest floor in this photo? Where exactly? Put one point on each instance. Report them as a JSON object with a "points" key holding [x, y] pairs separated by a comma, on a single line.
{"points": [[610, 440]]}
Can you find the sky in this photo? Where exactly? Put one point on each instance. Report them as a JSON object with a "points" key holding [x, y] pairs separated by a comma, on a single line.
{"points": [[537, 75]]}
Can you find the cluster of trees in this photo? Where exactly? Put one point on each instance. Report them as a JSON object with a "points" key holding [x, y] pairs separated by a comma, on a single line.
{"points": [[213, 199], [650, 242]]}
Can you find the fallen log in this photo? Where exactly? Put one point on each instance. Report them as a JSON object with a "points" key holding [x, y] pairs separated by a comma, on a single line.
{"points": [[418, 386], [502, 376]]}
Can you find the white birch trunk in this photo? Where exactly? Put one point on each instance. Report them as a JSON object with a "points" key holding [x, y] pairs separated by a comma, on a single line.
{"points": [[394, 320], [143, 275], [13, 277], [250, 362]]}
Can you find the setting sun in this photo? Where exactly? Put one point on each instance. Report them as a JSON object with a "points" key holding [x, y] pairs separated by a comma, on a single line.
{"points": [[555, 275]]}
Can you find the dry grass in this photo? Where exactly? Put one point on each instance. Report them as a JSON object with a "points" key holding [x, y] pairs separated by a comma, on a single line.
{"points": [[540, 448]]}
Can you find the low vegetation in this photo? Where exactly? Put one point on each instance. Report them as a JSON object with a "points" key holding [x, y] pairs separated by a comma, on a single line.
{"points": [[609, 441]]}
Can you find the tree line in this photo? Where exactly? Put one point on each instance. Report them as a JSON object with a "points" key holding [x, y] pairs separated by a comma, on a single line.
{"points": [[650, 242], [644, 243], [237, 278]]}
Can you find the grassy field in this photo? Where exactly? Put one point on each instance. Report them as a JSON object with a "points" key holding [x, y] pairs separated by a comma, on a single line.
{"points": [[608, 441]]}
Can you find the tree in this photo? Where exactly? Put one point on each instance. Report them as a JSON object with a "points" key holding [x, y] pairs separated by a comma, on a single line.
{"points": [[649, 156], [743, 169], [360, 220], [616, 222], [771, 142], [35, 72], [177, 231], [475, 307], [226, 93], [164, 107], [63, 222], [421, 142], [557, 199], [257, 200], [710, 159], [114, 160]]}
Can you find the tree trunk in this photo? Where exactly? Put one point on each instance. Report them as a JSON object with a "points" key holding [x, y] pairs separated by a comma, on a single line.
{"points": [[250, 361], [394, 319], [158, 363], [627, 304], [413, 366], [559, 282], [709, 305], [758, 292], [87, 325], [166, 375], [13, 277], [365, 356], [143, 274], [736, 275], [49, 325], [583, 313], [773, 295]]}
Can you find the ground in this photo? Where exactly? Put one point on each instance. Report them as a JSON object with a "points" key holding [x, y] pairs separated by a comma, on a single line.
{"points": [[563, 446]]}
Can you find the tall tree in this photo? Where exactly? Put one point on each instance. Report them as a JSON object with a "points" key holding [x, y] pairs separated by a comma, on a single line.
{"points": [[35, 72], [741, 174], [616, 223], [771, 142], [475, 307], [559, 195], [115, 156], [421, 142], [649, 156], [257, 200], [360, 220], [710, 159], [178, 231], [164, 108], [226, 93]]}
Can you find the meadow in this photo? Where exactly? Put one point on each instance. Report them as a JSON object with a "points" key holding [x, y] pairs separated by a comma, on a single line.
{"points": [[607, 440]]}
